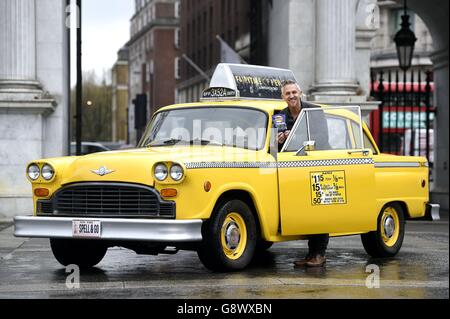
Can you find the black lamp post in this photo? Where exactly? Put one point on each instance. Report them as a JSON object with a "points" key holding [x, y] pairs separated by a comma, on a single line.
{"points": [[405, 40]]}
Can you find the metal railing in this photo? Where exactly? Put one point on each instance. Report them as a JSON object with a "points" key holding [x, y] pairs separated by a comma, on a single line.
{"points": [[403, 123]]}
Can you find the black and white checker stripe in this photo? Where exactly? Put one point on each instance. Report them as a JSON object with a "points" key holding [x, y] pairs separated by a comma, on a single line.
{"points": [[310, 163], [333, 162], [197, 165]]}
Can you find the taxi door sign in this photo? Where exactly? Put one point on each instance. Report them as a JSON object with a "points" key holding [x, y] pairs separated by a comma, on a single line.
{"points": [[328, 188]]}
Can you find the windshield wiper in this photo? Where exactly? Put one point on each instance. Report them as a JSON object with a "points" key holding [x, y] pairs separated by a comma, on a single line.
{"points": [[171, 141], [205, 142], [175, 141]]}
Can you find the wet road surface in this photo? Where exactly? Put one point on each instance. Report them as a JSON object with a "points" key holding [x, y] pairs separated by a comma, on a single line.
{"points": [[421, 270]]}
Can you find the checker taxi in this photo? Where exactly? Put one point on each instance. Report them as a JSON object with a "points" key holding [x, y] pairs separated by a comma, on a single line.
{"points": [[210, 177]]}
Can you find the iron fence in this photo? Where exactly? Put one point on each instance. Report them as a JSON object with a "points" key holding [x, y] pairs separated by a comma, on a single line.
{"points": [[403, 123]]}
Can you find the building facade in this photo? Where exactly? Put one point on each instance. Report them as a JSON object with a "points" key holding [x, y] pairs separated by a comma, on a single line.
{"points": [[328, 48], [153, 57], [201, 22], [383, 49], [407, 107], [120, 98], [34, 91], [429, 22]]}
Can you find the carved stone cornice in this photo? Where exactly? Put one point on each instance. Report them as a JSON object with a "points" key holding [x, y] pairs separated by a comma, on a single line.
{"points": [[25, 97], [43, 107]]}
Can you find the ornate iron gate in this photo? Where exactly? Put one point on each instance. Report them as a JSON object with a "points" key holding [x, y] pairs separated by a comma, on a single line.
{"points": [[403, 123]]}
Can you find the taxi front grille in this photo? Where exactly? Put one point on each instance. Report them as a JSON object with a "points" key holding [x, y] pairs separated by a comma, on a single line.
{"points": [[107, 200]]}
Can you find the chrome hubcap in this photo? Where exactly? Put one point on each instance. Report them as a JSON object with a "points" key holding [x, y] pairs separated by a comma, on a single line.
{"points": [[389, 226], [232, 236]]}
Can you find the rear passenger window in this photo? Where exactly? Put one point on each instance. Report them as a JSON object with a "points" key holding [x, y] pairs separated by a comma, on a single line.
{"points": [[367, 143], [339, 138]]}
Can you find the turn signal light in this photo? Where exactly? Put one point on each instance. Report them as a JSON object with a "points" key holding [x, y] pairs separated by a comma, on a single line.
{"points": [[207, 186], [169, 192], [41, 192]]}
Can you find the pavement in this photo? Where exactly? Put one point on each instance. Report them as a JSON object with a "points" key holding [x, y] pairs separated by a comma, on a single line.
{"points": [[420, 271]]}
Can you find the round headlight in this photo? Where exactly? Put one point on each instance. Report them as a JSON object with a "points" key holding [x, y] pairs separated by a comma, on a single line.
{"points": [[161, 172], [48, 172], [176, 172], [33, 172]]}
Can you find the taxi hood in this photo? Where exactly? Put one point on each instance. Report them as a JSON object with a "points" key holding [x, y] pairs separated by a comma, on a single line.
{"points": [[135, 165]]}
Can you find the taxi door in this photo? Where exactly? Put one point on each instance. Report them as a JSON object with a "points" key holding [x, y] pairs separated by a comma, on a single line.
{"points": [[331, 190]]}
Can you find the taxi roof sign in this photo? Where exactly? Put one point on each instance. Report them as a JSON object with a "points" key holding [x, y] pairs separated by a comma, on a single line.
{"points": [[247, 82]]}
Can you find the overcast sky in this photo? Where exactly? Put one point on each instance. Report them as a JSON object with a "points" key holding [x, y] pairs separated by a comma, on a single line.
{"points": [[106, 28]]}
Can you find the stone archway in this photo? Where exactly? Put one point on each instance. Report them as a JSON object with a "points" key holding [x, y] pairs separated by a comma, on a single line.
{"points": [[434, 14]]}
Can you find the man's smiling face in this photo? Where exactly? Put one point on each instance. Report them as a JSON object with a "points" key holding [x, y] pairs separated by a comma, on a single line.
{"points": [[291, 94]]}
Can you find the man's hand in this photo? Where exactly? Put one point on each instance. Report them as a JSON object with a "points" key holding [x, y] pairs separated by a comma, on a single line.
{"points": [[282, 137]]}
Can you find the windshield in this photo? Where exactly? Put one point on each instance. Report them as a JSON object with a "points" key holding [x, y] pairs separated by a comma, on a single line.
{"points": [[214, 126]]}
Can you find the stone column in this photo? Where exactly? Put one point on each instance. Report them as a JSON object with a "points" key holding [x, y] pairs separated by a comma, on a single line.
{"points": [[24, 107], [440, 191], [367, 23], [335, 50], [18, 49]]}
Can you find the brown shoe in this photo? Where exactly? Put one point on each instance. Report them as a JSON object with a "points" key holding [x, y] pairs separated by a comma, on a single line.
{"points": [[303, 262], [316, 261]]}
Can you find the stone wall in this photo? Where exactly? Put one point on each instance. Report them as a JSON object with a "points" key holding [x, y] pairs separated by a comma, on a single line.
{"points": [[33, 95]]}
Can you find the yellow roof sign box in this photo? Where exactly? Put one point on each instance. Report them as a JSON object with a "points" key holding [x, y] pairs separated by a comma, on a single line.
{"points": [[231, 81]]}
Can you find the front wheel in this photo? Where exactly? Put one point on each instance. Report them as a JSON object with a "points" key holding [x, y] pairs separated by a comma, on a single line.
{"points": [[84, 253], [229, 237], [387, 240]]}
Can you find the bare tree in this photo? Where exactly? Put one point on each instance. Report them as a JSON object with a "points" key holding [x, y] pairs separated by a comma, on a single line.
{"points": [[97, 112]]}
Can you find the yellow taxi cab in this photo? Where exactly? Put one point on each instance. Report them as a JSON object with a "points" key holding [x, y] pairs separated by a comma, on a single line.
{"points": [[209, 177]]}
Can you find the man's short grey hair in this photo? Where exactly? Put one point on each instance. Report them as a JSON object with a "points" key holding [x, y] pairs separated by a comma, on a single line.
{"points": [[289, 82]]}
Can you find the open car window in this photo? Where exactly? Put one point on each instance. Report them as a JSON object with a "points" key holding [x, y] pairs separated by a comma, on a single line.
{"points": [[331, 128]]}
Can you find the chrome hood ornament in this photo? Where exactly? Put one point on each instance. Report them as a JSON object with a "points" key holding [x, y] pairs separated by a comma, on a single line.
{"points": [[102, 171]]}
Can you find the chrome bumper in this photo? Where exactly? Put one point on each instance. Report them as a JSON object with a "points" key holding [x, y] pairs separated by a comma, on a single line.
{"points": [[168, 231], [432, 212]]}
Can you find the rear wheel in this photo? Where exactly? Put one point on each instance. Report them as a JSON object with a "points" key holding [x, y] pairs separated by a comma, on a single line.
{"points": [[229, 237], [387, 240], [84, 253]]}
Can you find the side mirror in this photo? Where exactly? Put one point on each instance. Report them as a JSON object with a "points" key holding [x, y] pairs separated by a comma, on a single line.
{"points": [[308, 146]]}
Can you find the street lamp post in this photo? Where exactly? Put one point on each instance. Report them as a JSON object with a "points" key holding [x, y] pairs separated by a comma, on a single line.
{"points": [[405, 40], [79, 87]]}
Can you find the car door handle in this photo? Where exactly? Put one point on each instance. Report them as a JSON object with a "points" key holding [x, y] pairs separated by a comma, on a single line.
{"points": [[363, 152]]}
